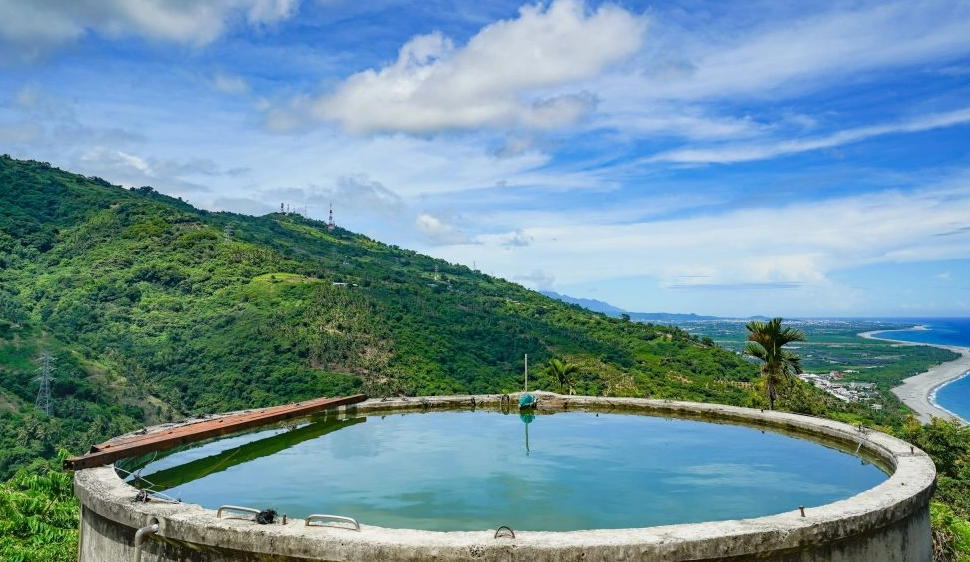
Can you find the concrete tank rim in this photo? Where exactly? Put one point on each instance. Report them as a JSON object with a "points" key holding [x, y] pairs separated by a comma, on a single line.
{"points": [[906, 490]]}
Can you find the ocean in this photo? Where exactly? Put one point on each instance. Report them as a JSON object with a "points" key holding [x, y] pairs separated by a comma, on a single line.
{"points": [[954, 396]]}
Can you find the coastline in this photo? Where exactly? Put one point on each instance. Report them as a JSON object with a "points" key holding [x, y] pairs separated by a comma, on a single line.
{"points": [[919, 391]]}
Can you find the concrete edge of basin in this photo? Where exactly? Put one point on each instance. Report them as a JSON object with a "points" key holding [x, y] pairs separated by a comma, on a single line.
{"points": [[905, 494]]}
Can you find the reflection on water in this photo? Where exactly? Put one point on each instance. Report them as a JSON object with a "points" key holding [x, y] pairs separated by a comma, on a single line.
{"points": [[527, 419], [170, 472], [479, 470]]}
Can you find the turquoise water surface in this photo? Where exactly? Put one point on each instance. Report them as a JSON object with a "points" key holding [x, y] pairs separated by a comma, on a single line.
{"points": [[479, 470]]}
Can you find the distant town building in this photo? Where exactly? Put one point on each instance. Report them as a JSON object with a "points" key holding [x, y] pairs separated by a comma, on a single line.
{"points": [[847, 392]]}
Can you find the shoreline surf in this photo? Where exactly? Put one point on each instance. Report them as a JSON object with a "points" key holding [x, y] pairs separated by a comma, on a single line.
{"points": [[919, 391]]}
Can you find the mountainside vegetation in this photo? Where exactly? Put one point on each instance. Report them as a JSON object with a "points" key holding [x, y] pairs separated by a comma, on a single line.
{"points": [[152, 310], [155, 310]]}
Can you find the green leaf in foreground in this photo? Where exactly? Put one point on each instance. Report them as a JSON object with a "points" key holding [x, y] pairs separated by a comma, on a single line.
{"points": [[39, 521]]}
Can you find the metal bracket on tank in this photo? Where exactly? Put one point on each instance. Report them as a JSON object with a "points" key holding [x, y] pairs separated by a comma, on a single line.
{"points": [[235, 508], [507, 529], [337, 518]]}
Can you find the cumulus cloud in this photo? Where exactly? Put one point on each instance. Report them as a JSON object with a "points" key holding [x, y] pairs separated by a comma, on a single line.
{"points": [[438, 232], [30, 30], [505, 76], [517, 239], [262, 12], [538, 279], [359, 192]]}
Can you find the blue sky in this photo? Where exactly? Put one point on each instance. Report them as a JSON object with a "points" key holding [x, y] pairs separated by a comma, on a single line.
{"points": [[776, 158]]}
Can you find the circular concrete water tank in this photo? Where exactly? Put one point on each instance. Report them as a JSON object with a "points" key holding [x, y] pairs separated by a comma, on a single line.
{"points": [[887, 523]]}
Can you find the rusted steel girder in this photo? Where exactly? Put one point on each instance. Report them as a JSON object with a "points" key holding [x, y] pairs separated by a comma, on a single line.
{"points": [[135, 445]]}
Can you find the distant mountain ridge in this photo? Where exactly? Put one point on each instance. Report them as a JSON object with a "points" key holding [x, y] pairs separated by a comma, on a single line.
{"points": [[669, 317], [616, 312], [589, 304]]}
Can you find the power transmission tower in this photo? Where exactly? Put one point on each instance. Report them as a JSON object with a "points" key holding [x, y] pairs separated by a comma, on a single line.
{"points": [[44, 392], [227, 233]]}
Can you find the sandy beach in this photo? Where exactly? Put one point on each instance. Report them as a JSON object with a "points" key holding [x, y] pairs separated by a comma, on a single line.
{"points": [[918, 391]]}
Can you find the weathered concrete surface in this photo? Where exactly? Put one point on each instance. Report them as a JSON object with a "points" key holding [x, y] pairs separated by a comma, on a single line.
{"points": [[889, 523]]}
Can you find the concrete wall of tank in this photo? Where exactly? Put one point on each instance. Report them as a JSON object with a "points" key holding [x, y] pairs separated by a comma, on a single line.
{"points": [[889, 523]]}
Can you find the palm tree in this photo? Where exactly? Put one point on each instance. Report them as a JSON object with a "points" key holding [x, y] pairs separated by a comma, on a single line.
{"points": [[561, 371], [778, 365]]}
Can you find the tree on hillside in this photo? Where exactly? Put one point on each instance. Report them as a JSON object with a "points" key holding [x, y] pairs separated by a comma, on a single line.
{"points": [[561, 371], [766, 341]]}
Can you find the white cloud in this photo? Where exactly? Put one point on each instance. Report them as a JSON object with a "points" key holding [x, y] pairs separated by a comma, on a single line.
{"points": [[538, 279], [229, 83], [687, 70], [29, 30], [794, 248], [355, 195], [437, 232], [634, 117], [130, 165], [503, 77], [759, 151], [812, 50], [519, 238], [118, 161], [263, 12]]}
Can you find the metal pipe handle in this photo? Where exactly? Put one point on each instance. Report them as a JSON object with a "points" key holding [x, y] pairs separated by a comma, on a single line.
{"points": [[235, 508], [338, 518]]}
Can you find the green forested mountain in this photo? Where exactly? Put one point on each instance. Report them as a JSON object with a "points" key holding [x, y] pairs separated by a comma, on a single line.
{"points": [[152, 309]]}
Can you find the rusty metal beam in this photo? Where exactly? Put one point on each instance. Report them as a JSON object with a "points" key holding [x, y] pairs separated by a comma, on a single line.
{"points": [[135, 445]]}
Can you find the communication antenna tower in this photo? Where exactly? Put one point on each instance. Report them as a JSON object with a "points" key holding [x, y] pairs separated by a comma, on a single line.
{"points": [[435, 272], [330, 224], [227, 233], [44, 392]]}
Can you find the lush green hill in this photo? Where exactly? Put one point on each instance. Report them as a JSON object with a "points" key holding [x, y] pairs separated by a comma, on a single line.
{"points": [[153, 309]]}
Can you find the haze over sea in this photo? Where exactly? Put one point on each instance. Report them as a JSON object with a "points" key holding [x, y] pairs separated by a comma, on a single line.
{"points": [[954, 396]]}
